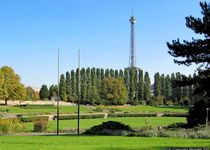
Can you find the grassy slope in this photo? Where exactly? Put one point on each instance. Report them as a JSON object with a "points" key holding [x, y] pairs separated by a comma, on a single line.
{"points": [[132, 121], [87, 109], [95, 143]]}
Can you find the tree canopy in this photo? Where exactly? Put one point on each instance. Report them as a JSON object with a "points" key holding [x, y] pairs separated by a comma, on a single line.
{"points": [[196, 51]]}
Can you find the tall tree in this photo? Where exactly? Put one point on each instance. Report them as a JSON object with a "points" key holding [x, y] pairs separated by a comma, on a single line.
{"points": [[12, 89], [163, 88], [44, 92], [88, 84], [53, 91], [157, 85], [111, 73], [107, 73], [168, 87], [136, 84], [126, 80], [83, 85], [141, 85], [73, 86], [173, 89], [178, 88], [102, 74], [147, 84], [131, 93], [116, 74], [62, 88], [68, 86], [196, 52], [29, 93], [121, 75], [94, 92]]}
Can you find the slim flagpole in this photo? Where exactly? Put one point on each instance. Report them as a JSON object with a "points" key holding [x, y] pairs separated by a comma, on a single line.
{"points": [[78, 103], [58, 95]]}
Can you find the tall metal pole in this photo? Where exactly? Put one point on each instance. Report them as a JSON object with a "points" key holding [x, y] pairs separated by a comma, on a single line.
{"points": [[58, 96], [78, 103], [207, 116]]}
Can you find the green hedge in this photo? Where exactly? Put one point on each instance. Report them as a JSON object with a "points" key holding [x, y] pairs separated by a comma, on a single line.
{"points": [[82, 116], [35, 106], [31, 118], [175, 115], [113, 115]]}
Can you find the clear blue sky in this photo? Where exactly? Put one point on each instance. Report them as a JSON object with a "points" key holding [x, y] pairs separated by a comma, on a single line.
{"points": [[32, 30]]}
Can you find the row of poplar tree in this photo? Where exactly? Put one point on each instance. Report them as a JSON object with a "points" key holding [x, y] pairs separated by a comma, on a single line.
{"points": [[137, 83]]}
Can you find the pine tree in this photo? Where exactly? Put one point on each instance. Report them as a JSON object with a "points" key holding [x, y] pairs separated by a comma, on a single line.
{"points": [[196, 52], [141, 85], [62, 88], [68, 86], [147, 83], [157, 85]]}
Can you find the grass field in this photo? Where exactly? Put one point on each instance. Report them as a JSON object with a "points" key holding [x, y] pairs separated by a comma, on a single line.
{"points": [[89, 109], [96, 143], [135, 122]]}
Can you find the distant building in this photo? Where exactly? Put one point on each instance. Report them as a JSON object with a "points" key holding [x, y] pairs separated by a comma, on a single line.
{"points": [[36, 89]]}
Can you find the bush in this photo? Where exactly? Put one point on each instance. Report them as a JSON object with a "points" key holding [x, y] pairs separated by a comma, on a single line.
{"points": [[113, 115], [159, 100], [40, 124], [186, 101], [110, 128], [197, 113], [9, 126]]}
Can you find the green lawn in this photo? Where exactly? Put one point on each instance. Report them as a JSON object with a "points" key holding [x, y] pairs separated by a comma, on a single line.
{"points": [[96, 143], [131, 121], [89, 109]]}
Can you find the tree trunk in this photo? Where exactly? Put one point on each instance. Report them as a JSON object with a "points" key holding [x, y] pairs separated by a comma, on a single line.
{"points": [[5, 101]]}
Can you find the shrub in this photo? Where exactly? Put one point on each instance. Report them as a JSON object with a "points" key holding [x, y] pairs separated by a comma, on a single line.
{"points": [[40, 124], [186, 101], [159, 100], [26, 119], [110, 128], [9, 126]]}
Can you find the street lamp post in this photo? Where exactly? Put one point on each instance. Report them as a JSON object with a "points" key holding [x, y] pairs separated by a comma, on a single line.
{"points": [[78, 103], [207, 116], [58, 93]]}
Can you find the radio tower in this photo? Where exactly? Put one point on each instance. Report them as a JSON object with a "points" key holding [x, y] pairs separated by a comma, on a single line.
{"points": [[132, 50], [132, 55]]}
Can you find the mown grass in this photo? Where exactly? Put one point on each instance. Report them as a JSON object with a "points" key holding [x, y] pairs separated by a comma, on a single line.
{"points": [[96, 143], [134, 122], [89, 109]]}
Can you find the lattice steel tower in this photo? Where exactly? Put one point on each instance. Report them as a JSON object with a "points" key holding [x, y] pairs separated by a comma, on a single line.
{"points": [[132, 52]]}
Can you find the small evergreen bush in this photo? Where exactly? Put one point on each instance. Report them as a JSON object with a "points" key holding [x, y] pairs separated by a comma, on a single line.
{"points": [[40, 124]]}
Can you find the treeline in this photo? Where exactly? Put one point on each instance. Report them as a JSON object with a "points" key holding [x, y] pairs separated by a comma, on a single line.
{"points": [[137, 86], [93, 81], [165, 90]]}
